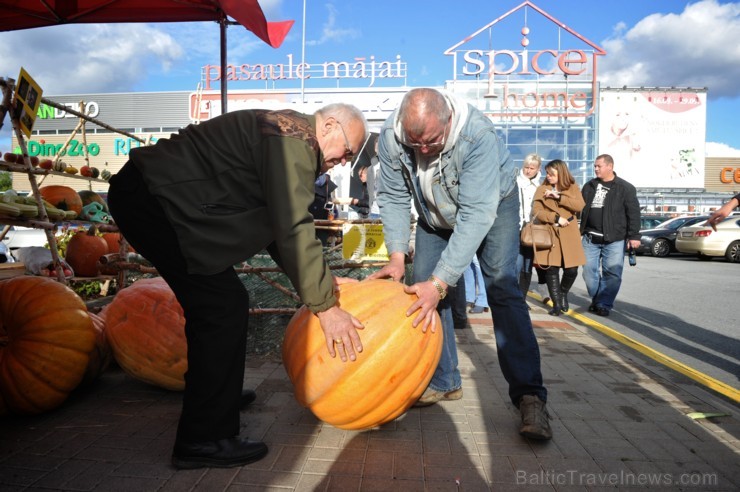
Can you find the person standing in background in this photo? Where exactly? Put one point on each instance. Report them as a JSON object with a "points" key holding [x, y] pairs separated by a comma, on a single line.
{"points": [[610, 219], [556, 203], [475, 288], [528, 180]]}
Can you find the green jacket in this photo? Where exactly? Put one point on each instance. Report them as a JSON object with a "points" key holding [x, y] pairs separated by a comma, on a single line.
{"points": [[239, 183]]}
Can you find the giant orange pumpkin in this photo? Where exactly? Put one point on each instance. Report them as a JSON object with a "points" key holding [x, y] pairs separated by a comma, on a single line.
{"points": [[62, 197], [145, 327], [389, 375], [46, 336]]}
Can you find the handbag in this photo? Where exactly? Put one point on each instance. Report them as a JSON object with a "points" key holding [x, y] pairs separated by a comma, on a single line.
{"points": [[536, 236]]}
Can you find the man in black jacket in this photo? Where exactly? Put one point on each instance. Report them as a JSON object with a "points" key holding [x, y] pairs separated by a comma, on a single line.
{"points": [[611, 217]]}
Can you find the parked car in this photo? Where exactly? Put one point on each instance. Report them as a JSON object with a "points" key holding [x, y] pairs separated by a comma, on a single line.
{"points": [[661, 240], [652, 221], [706, 243], [20, 237]]}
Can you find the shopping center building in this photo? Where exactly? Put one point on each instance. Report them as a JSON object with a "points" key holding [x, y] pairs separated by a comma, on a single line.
{"points": [[542, 92]]}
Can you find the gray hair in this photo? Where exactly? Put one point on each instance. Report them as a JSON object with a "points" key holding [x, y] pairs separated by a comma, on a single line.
{"points": [[343, 114], [419, 105]]}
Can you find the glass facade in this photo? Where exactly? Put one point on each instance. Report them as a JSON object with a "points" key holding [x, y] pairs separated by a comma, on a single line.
{"points": [[572, 139]]}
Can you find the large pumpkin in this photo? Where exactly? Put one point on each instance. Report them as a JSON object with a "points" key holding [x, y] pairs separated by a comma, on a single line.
{"points": [[389, 375], [46, 336], [145, 327], [62, 197], [83, 252]]}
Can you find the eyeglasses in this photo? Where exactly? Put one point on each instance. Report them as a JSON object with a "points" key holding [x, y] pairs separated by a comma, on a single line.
{"points": [[348, 152], [431, 145]]}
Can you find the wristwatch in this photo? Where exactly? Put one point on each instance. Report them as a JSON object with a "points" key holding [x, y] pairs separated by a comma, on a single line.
{"points": [[440, 290]]}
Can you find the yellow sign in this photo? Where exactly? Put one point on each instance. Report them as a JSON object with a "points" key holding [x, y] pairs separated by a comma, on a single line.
{"points": [[363, 242], [27, 101]]}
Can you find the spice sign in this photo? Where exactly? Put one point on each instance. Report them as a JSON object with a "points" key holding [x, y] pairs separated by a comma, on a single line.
{"points": [[537, 80]]}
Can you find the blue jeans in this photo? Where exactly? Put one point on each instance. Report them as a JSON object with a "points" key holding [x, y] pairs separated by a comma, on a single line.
{"points": [[525, 260], [603, 271], [475, 289], [516, 345]]}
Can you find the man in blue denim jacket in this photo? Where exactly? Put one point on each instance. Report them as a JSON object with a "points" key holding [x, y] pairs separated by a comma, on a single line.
{"points": [[444, 156]]}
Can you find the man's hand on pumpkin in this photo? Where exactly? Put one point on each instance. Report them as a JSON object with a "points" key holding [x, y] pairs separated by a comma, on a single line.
{"points": [[340, 330]]}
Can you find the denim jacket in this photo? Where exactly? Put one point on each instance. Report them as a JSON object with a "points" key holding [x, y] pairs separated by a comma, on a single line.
{"points": [[471, 180]]}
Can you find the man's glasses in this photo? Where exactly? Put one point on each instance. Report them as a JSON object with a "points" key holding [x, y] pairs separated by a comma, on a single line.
{"points": [[431, 145], [348, 152]]}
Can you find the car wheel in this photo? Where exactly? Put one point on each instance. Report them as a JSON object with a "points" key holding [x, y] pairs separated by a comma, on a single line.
{"points": [[660, 248], [733, 252], [703, 257]]}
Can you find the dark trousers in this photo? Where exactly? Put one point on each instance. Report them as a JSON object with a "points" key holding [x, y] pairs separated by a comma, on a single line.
{"points": [[216, 311]]}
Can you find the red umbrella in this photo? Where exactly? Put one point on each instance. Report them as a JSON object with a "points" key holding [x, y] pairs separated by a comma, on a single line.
{"points": [[26, 14]]}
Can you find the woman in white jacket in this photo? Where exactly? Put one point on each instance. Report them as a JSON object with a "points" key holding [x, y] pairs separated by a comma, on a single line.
{"points": [[528, 180]]}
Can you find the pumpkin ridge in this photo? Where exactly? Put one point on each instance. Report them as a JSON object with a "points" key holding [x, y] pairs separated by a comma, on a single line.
{"points": [[64, 376], [11, 383]]}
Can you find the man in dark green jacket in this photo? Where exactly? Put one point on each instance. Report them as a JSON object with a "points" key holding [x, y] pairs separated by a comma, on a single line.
{"points": [[210, 197]]}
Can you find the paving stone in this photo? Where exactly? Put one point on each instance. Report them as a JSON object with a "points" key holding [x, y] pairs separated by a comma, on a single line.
{"points": [[615, 414]]}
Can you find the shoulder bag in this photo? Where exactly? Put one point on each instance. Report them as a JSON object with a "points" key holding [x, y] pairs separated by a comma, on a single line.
{"points": [[537, 236]]}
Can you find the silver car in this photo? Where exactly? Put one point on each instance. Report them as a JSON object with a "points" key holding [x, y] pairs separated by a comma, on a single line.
{"points": [[706, 243]]}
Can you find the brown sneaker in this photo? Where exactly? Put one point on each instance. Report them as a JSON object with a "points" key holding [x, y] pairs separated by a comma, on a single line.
{"points": [[431, 396], [535, 419]]}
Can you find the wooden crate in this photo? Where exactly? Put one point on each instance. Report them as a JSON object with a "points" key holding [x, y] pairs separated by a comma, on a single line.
{"points": [[10, 270]]}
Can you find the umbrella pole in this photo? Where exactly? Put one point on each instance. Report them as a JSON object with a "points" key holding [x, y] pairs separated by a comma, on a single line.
{"points": [[223, 23]]}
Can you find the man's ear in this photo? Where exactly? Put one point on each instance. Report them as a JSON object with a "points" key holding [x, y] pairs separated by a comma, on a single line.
{"points": [[328, 125]]}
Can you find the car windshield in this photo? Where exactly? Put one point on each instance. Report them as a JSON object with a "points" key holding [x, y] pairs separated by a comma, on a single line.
{"points": [[677, 222]]}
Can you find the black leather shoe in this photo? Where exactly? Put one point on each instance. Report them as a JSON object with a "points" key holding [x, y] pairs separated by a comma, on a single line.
{"points": [[248, 396], [224, 453], [601, 311]]}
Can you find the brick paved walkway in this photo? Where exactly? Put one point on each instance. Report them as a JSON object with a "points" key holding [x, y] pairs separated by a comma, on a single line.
{"points": [[619, 419]]}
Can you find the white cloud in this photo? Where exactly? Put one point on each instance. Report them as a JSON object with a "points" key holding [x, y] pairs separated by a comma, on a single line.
{"points": [[696, 48], [330, 32], [82, 59], [714, 149]]}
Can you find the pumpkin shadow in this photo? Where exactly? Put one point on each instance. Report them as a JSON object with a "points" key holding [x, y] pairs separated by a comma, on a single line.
{"points": [[424, 449]]}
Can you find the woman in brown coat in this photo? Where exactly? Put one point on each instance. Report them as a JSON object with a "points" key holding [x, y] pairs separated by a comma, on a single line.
{"points": [[557, 201]]}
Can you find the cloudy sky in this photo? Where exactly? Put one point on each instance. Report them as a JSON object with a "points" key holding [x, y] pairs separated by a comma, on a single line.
{"points": [[648, 43]]}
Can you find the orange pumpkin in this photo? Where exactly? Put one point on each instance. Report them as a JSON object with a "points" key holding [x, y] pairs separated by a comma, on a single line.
{"points": [[114, 242], [145, 327], [389, 375], [101, 355], [83, 252], [46, 336], [62, 197]]}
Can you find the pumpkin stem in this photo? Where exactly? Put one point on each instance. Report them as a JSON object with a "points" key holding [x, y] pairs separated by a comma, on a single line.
{"points": [[92, 231]]}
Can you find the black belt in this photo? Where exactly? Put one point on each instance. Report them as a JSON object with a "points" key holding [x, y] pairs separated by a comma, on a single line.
{"points": [[596, 238]]}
